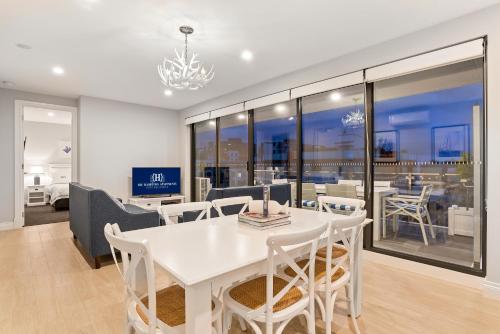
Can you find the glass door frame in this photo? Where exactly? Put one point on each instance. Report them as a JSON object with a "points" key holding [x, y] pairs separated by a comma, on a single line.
{"points": [[369, 186]]}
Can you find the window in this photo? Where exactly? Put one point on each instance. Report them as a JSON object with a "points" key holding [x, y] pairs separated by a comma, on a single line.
{"points": [[333, 141], [233, 150], [428, 145], [275, 139], [205, 158]]}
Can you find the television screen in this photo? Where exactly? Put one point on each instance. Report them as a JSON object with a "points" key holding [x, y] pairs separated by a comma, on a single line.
{"points": [[156, 181]]}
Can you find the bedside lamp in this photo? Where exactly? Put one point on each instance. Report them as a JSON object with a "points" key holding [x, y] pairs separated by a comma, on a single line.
{"points": [[36, 170]]}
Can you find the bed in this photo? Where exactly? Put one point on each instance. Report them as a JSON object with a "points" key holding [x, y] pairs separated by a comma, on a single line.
{"points": [[58, 190]]}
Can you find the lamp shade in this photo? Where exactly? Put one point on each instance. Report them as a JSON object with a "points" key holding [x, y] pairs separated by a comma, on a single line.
{"points": [[36, 170]]}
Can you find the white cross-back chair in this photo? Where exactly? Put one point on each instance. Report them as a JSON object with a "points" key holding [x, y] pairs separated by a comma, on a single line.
{"points": [[167, 212], [150, 311], [271, 299], [411, 206], [220, 203], [347, 229], [344, 206]]}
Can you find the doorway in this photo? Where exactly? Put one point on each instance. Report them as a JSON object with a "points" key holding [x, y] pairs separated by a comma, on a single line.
{"points": [[46, 162]]}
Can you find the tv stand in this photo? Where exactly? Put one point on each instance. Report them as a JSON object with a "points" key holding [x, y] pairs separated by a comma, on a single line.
{"points": [[152, 203]]}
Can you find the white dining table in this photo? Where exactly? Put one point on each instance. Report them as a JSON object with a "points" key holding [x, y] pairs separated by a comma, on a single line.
{"points": [[209, 255]]}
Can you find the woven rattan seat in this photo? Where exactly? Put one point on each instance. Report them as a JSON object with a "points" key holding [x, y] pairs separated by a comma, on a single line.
{"points": [[336, 253], [170, 306], [319, 270], [252, 294]]}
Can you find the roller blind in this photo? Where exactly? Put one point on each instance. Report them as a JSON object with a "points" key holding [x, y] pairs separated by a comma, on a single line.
{"points": [[329, 84], [234, 109], [453, 54], [197, 118], [268, 100]]}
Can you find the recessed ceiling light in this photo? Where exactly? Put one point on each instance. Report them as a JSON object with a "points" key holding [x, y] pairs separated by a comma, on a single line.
{"points": [[280, 108], [51, 114], [168, 92], [335, 96], [246, 55], [58, 70], [291, 118], [241, 116], [7, 83], [24, 46]]}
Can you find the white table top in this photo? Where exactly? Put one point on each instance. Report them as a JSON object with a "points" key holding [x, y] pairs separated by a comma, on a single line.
{"points": [[195, 252]]}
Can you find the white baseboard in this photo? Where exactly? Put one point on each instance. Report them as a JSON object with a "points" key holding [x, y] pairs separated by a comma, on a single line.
{"points": [[6, 226], [491, 288], [451, 276]]}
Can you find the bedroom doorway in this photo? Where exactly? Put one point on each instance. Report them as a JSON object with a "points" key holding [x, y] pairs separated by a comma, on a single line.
{"points": [[46, 141]]}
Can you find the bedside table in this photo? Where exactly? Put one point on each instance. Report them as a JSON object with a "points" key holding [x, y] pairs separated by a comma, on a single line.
{"points": [[36, 195]]}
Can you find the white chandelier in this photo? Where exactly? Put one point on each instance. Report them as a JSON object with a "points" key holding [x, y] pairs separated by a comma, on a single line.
{"points": [[355, 118], [181, 73]]}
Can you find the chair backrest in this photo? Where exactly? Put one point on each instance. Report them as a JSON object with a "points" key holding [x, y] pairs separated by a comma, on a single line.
{"points": [[277, 255], [177, 210], [425, 195], [220, 203], [341, 190], [347, 206], [382, 184], [351, 182], [309, 192], [347, 229], [137, 274]]}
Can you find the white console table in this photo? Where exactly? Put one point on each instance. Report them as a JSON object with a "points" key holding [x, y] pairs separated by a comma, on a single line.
{"points": [[152, 203]]}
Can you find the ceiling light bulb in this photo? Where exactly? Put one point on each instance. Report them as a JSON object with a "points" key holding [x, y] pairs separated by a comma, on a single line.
{"points": [[168, 92], [51, 114], [280, 108], [247, 55], [335, 96], [241, 116], [58, 70]]}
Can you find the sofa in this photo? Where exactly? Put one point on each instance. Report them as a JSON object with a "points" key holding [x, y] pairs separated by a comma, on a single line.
{"points": [[91, 209], [280, 193]]}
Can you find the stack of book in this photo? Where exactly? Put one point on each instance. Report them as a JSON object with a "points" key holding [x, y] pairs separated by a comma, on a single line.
{"points": [[258, 220]]}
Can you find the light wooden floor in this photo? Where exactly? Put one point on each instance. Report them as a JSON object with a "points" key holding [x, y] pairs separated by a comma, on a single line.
{"points": [[47, 287]]}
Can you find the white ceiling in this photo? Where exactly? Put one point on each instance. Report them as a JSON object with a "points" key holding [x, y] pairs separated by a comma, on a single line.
{"points": [[110, 48], [33, 114]]}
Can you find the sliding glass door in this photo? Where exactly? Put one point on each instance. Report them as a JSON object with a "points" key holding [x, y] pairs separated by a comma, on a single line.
{"points": [[233, 150], [333, 144], [428, 163], [415, 128]]}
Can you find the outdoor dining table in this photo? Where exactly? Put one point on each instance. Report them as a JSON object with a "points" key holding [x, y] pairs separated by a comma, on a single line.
{"points": [[209, 255]]}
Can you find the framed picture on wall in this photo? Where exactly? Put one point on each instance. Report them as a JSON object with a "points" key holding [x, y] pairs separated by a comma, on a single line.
{"points": [[450, 143], [386, 146]]}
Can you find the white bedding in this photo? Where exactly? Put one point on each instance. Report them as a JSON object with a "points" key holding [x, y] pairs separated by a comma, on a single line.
{"points": [[58, 191]]}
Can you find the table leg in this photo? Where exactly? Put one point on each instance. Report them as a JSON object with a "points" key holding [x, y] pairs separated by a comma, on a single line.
{"points": [[198, 308]]}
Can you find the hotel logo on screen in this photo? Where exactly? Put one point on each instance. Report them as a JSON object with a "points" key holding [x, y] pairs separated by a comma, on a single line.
{"points": [[157, 177]]}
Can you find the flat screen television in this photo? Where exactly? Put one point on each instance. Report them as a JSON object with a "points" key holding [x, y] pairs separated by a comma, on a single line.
{"points": [[156, 181]]}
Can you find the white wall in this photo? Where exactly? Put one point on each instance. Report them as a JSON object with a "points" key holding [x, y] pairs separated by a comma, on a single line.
{"points": [[7, 112], [116, 136], [43, 144], [485, 22]]}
